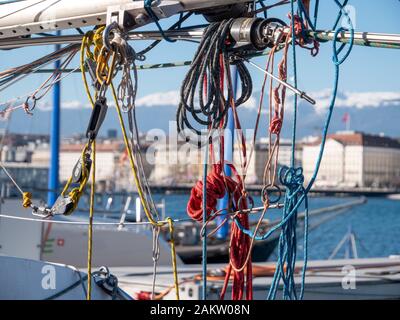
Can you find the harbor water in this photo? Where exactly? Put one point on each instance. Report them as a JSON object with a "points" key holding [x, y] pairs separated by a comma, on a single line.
{"points": [[375, 224]]}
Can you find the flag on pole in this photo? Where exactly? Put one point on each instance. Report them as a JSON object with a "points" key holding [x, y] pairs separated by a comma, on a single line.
{"points": [[346, 120]]}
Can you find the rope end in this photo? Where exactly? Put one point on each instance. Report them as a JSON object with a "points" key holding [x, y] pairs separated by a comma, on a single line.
{"points": [[26, 199]]}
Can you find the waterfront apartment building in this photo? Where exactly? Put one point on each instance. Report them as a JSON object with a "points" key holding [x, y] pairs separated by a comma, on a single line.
{"points": [[183, 163], [113, 171], [355, 159], [16, 155], [258, 161], [175, 162]]}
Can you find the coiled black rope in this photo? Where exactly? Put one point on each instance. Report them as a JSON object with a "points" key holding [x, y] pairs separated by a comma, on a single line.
{"points": [[197, 109]]}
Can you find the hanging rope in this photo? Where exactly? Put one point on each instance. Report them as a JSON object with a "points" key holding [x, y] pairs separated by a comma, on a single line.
{"points": [[103, 72], [90, 226], [292, 178], [211, 110], [153, 16], [104, 75], [204, 211], [173, 256]]}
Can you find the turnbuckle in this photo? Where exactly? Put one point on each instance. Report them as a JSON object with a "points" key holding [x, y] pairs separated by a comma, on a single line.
{"points": [[97, 117]]}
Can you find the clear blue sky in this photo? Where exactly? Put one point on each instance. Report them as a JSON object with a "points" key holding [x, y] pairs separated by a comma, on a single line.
{"points": [[367, 69]]}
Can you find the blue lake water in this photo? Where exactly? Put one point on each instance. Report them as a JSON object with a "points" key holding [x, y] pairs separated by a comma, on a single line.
{"points": [[376, 225]]}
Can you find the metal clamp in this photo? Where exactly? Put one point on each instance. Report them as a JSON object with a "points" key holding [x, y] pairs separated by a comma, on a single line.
{"points": [[42, 212], [63, 206], [81, 168], [257, 33]]}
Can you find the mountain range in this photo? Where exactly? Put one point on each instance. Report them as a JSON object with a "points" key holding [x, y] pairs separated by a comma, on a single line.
{"points": [[371, 112]]}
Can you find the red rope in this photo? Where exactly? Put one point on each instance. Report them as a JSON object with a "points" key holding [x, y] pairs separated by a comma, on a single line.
{"points": [[218, 184], [215, 190], [302, 41]]}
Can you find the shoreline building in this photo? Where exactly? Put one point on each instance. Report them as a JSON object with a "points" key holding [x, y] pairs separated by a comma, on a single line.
{"points": [[179, 162], [354, 159], [113, 171], [175, 162], [257, 163], [17, 155]]}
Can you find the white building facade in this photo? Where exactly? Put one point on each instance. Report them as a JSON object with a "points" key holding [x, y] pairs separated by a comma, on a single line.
{"points": [[355, 159]]}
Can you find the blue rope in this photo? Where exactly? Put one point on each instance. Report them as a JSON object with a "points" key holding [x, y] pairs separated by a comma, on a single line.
{"points": [[287, 239], [204, 234], [150, 12], [303, 13], [316, 13], [294, 124], [293, 180], [265, 13], [339, 16]]}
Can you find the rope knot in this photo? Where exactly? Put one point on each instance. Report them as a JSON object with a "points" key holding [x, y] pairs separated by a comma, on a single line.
{"points": [[300, 29], [292, 178], [276, 125]]}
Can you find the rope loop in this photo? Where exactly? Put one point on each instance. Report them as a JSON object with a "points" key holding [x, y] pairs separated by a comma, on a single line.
{"points": [[303, 39], [248, 200], [266, 194], [29, 108], [336, 51]]}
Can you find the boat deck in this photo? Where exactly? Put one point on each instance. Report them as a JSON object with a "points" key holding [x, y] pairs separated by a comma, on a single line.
{"points": [[376, 278]]}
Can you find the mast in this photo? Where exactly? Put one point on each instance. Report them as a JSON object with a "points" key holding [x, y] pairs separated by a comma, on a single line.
{"points": [[54, 139], [222, 232]]}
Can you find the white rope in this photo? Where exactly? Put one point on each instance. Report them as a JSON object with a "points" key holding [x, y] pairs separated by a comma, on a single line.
{"points": [[83, 223], [11, 178], [117, 224]]}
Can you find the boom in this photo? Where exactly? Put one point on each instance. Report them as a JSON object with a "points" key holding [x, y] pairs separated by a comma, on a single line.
{"points": [[27, 17]]}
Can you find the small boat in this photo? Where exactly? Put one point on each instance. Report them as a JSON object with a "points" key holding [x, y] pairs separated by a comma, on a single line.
{"points": [[64, 239]]}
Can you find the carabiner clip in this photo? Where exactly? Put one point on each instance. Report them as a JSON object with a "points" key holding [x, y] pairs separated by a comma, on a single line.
{"points": [[26, 106]]}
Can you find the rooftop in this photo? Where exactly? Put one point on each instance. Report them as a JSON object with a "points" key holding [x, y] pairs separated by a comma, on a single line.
{"points": [[354, 138], [100, 147]]}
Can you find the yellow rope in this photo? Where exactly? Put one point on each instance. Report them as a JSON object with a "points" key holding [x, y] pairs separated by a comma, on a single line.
{"points": [[98, 56], [85, 41], [173, 257], [131, 161], [90, 226], [86, 44]]}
